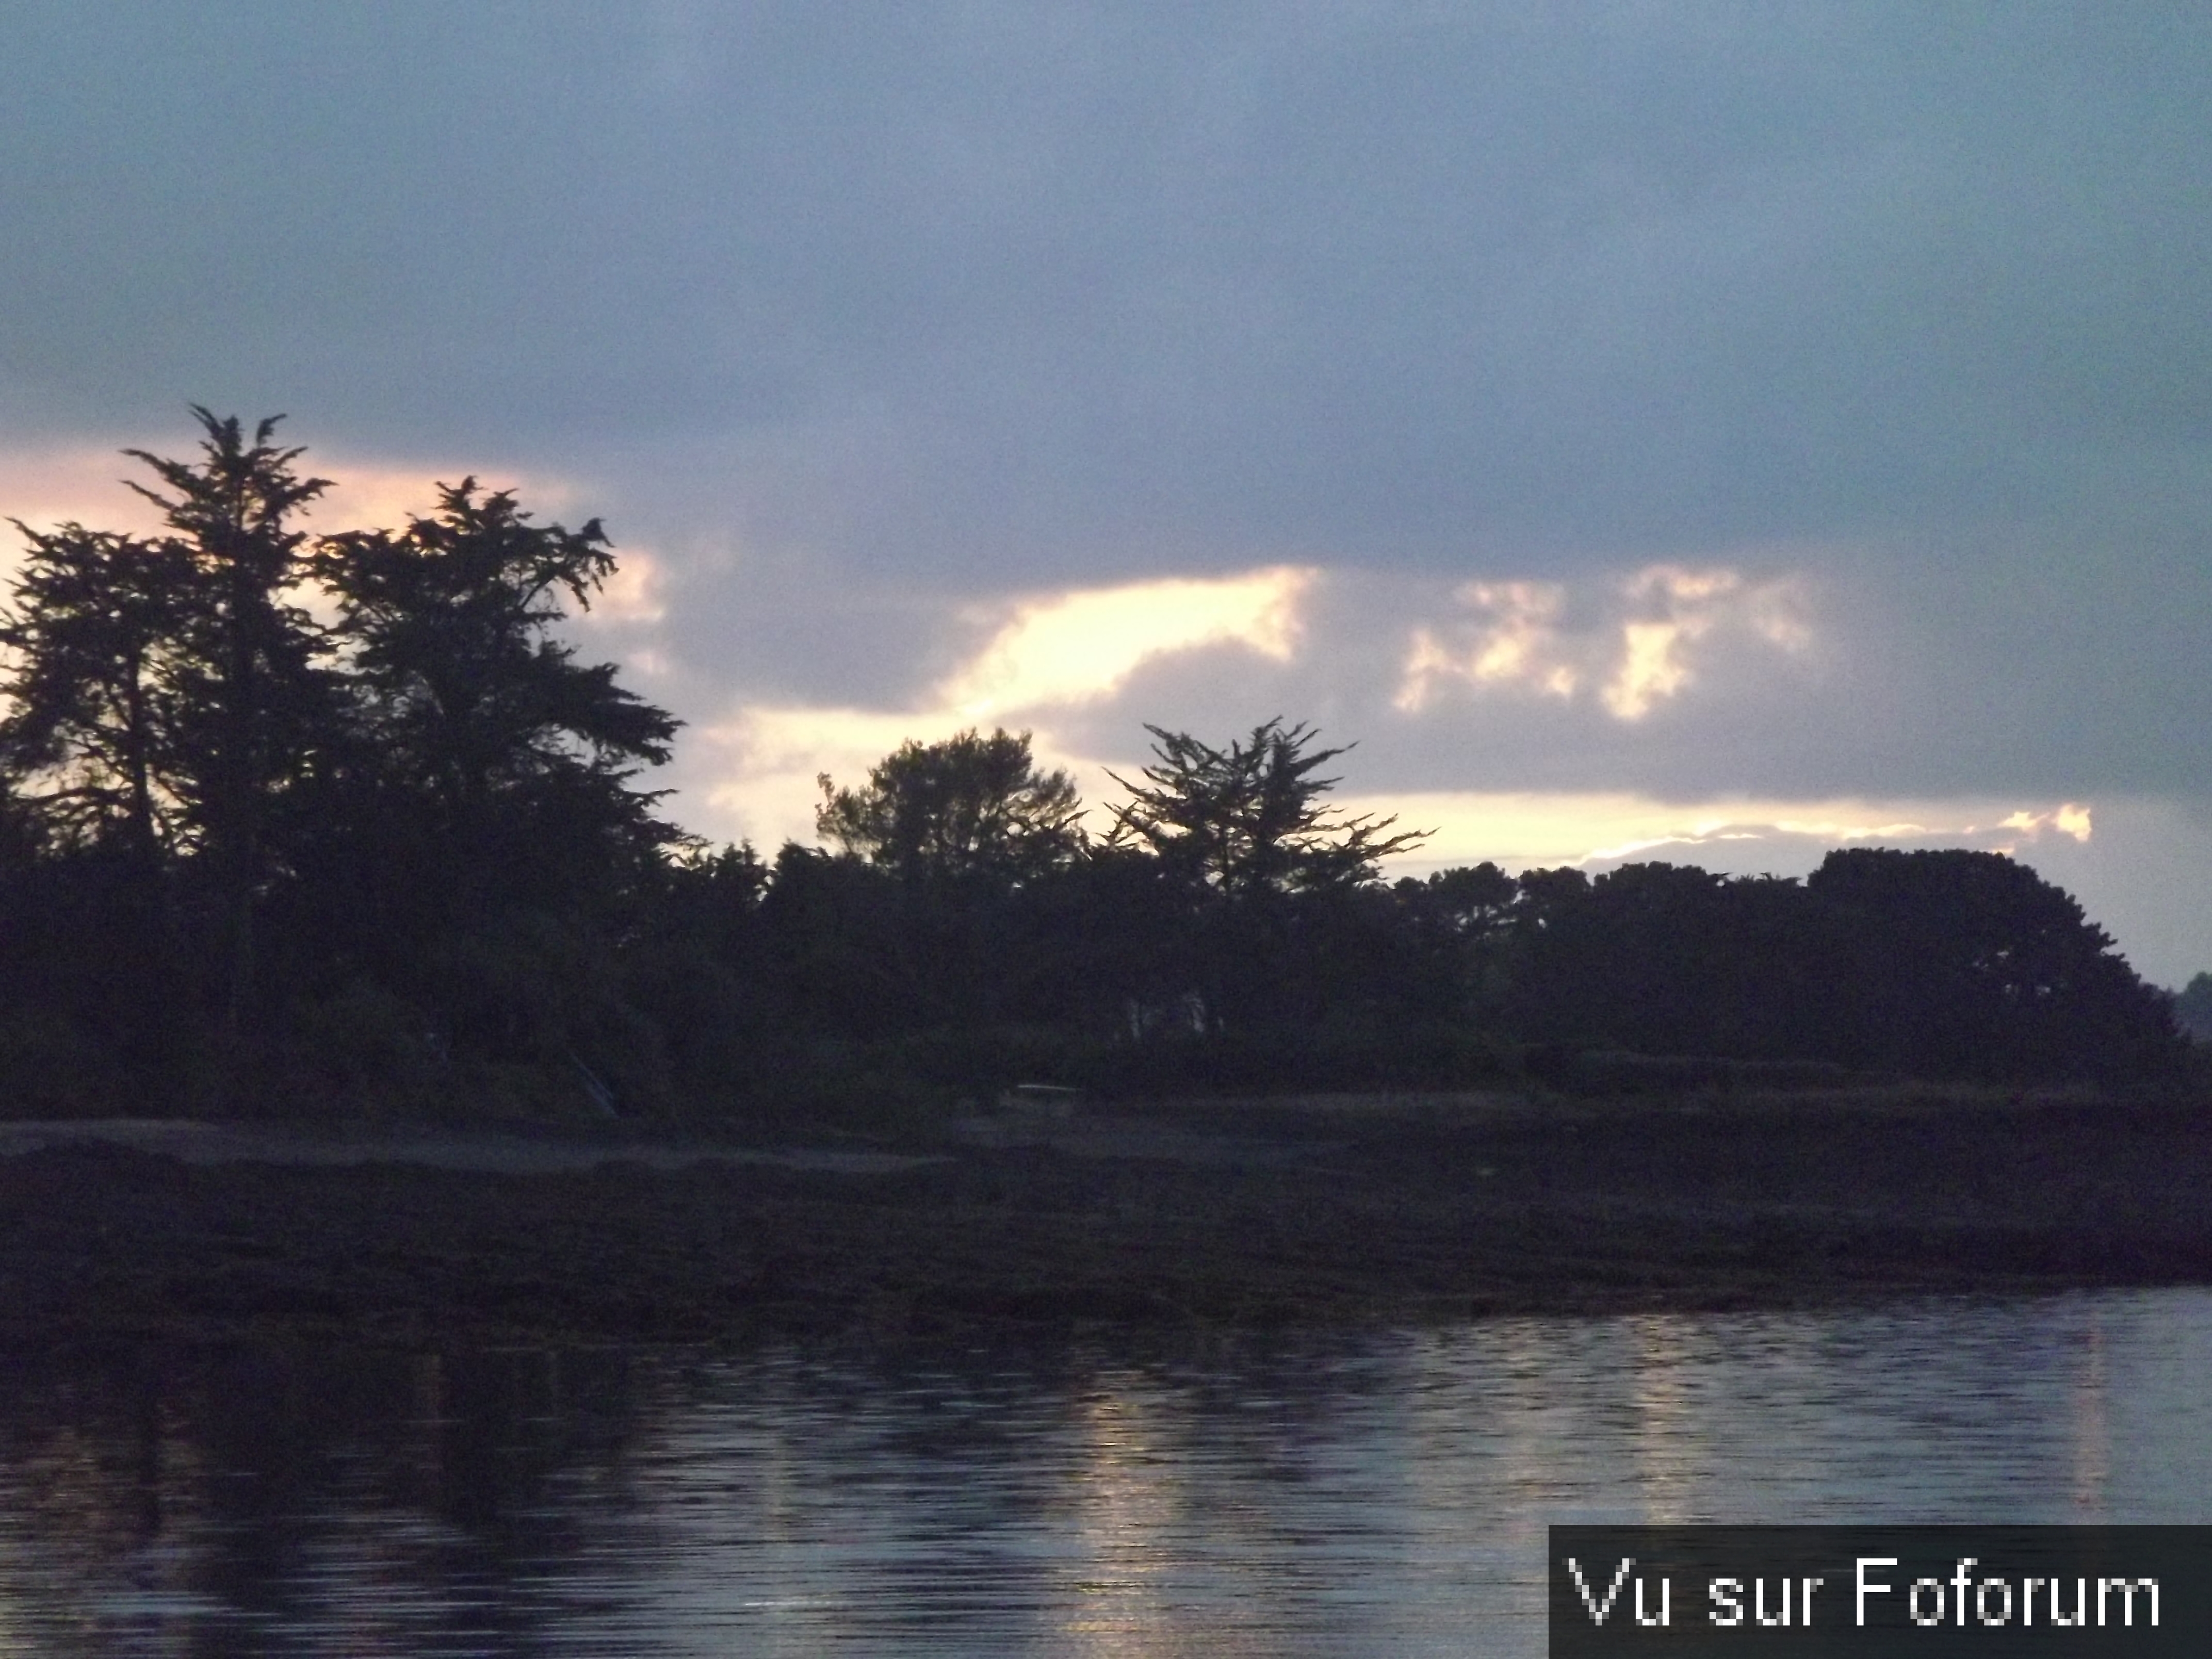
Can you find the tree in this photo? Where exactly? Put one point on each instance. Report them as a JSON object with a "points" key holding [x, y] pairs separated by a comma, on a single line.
{"points": [[1958, 963], [1666, 959], [93, 700], [506, 755], [486, 855], [1268, 875], [168, 702], [253, 706], [1247, 822], [1470, 903], [2192, 1008], [428, 797], [88, 757], [949, 857], [970, 808], [1458, 924]]}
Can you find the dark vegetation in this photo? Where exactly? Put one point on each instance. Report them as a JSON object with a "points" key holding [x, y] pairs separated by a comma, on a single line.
{"points": [[338, 823], [2192, 1007]]}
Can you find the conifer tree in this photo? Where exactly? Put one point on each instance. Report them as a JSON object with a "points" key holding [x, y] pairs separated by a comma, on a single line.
{"points": [[1249, 821], [89, 738], [492, 743], [255, 706]]}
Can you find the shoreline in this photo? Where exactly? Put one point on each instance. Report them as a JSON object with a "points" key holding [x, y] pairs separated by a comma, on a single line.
{"points": [[1215, 1214]]}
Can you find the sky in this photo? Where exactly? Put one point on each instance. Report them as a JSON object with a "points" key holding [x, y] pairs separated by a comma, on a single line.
{"points": [[1709, 432]]}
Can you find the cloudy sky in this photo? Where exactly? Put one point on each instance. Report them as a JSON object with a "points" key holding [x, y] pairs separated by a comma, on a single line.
{"points": [[1698, 431]]}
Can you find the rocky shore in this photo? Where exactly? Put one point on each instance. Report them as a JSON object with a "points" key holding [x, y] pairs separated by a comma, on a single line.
{"points": [[1220, 1213]]}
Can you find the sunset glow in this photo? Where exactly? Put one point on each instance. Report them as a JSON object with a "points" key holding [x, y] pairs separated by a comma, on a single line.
{"points": [[1071, 647]]}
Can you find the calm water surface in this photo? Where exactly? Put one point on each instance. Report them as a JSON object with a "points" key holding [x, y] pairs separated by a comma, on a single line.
{"points": [[1379, 1494]]}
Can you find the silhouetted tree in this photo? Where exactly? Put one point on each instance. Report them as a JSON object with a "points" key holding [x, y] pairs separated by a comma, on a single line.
{"points": [[841, 954], [1248, 821], [486, 853], [431, 796], [953, 847], [500, 757], [1466, 901], [699, 964], [1666, 959], [969, 807], [2192, 1008], [89, 747], [1458, 924], [409, 840], [254, 705], [92, 702], [1267, 871], [1966, 963]]}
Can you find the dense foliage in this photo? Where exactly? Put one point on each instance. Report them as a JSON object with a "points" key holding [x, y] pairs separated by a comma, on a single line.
{"points": [[341, 822], [2192, 1007]]}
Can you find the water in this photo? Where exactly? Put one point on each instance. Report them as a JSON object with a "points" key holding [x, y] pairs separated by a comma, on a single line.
{"points": [[1382, 1493]]}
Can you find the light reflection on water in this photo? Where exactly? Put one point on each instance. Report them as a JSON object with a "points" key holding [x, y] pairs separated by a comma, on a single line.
{"points": [[1349, 1494]]}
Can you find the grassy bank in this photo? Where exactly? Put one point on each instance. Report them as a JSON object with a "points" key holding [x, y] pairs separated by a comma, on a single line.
{"points": [[1331, 1209]]}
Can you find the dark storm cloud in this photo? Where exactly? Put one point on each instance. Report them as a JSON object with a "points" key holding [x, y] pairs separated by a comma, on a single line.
{"points": [[910, 303], [1390, 274]]}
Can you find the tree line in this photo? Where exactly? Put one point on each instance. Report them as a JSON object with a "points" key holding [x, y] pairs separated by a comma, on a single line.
{"points": [[294, 819]]}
